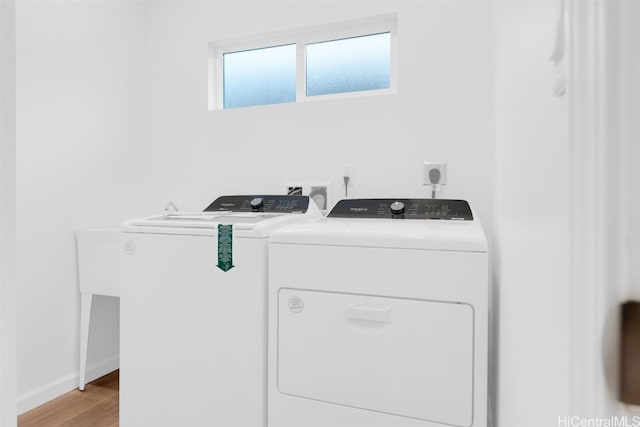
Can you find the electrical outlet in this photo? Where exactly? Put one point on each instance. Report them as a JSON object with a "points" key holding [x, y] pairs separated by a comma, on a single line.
{"points": [[347, 170], [346, 180], [434, 173], [320, 193]]}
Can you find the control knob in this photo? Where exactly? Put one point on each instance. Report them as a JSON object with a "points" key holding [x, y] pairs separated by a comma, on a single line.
{"points": [[257, 205], [397, 208]]}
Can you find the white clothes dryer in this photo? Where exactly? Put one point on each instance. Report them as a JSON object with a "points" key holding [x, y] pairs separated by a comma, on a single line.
{"points": [[378, 317], [193, 312]]}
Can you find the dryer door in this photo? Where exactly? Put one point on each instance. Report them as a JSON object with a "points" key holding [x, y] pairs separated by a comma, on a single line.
{"points": [[411, 358]]}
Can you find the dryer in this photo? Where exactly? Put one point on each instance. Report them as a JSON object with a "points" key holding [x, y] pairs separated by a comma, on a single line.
{"points": [[193, 312], [378, 317]]}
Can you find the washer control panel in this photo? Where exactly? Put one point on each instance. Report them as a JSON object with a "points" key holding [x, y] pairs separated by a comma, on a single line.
{"points": [[403, 209], [253, 203]]}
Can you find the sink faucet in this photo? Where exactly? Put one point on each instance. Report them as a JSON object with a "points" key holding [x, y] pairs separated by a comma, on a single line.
{"points": [[171, 207]]}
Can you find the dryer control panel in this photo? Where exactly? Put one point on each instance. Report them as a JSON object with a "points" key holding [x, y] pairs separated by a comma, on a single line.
{"points": [[403, 209], [269, 204]]}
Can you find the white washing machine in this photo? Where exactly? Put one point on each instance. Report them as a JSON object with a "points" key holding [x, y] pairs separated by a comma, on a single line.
{"points": [[378, 317], [193, 313]]}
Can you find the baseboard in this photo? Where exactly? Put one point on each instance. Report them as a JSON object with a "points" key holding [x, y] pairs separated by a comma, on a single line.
{"points": [[47, 392]]}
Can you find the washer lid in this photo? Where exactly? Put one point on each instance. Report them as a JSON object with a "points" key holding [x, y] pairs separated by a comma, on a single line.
{"points": [[465, 236], [252, 216]]}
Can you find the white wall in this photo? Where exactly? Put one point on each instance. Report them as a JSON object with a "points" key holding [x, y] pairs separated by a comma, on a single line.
{"points": [[7, 215], [629, 58], [81, 162], [619, 75], [443, 108], [634, 145], [532, 219]]}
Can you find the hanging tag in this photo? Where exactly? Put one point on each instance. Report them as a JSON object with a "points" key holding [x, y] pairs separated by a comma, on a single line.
{"points": [[225, 247]]}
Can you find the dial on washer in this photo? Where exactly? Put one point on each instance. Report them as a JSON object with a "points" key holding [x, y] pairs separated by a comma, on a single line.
{"points": [[257, 205], [397, 208]]}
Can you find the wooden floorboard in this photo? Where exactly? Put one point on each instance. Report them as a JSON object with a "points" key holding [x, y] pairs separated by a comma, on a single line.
{"points": [[97, 406]]}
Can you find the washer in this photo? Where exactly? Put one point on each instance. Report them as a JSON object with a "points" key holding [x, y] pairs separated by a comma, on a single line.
{"points": [[193, 313], [378, 317]]}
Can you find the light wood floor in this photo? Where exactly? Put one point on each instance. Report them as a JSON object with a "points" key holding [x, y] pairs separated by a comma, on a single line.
{"points": [[97, 406]]}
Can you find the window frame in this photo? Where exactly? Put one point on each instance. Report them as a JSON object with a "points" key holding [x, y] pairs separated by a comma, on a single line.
{"points": [[301, 38]]}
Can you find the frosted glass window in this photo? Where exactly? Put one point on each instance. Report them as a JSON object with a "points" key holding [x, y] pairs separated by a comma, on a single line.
{"points": [[341, 59], [259, 76], [349, 65]]}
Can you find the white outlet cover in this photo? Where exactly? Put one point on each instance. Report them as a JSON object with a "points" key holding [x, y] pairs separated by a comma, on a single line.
{"points": [[320, 192], [429, 166]]}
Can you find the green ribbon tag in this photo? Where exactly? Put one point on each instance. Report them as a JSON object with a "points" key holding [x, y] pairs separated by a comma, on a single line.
{"points": [[225, 247]]}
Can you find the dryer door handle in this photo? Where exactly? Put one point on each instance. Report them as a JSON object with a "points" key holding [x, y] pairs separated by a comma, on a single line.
{"points": [[369, 312]]}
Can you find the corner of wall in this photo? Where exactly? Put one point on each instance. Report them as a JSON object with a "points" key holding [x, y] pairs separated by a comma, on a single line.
{"points": [[60, 386], [7, 215]]}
